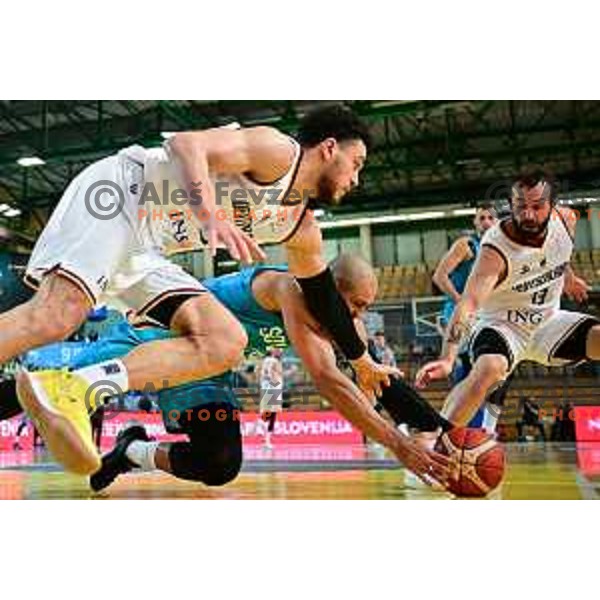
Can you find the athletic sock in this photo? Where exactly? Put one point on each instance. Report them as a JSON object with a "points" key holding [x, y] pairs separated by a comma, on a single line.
{"points": [[142, 454], [108, 378], [491, 412]]}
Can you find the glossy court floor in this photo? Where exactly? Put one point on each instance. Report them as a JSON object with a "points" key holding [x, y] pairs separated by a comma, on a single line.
{"points": [[535, 471]]}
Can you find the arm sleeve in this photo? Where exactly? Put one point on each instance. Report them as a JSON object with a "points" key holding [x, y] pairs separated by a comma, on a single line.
{"points": [[405, 405], [329, 308]]}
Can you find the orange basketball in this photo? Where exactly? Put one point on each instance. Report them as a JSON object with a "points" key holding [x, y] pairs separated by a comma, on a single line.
{"points": [[476, 461]]}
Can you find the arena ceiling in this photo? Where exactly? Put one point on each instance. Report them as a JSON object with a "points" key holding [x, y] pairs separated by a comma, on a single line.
{"points": [[425, 152]]}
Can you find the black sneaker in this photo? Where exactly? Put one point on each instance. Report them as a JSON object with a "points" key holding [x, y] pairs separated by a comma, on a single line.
{"points": [[115, 462]]}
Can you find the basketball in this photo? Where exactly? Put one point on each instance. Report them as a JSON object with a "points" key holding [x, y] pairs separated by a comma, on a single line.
{"points": [[476, 461]]}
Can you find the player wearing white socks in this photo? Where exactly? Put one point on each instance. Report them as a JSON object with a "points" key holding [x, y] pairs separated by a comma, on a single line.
{"points": [[271, 392]]}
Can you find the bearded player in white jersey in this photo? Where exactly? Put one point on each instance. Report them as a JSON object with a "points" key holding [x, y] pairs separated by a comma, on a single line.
{"points": [[231, 188], [510, 309]]}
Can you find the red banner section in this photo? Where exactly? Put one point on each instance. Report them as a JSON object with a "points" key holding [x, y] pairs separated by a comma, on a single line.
{"points": [[587, 423], [114, 422], [588, 459], [8, 435], [317, 427], [310, 428], [306, 428], [587, 429]]}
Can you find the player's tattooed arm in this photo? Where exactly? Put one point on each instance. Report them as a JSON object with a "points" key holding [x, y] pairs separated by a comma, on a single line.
{"points": [[489, 269], [458, 330]]}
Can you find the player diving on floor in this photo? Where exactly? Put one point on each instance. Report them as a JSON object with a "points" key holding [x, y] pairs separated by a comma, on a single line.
{"points": [[264, 299]]}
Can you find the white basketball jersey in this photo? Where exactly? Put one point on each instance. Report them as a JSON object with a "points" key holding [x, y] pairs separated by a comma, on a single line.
{"points": [[271, 375], [269, 212], [533, 286]]}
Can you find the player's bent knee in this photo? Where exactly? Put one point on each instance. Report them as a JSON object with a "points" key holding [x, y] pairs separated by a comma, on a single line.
{"points": [[229, 340], [216, 470], [219, 474], [48, 324], [236, 341], [490, 370], [226, 347], [212, 328]]}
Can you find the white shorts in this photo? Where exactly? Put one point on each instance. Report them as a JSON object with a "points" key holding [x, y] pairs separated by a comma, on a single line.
{"points": [[538, 344], [98, 241], [271, 399]]}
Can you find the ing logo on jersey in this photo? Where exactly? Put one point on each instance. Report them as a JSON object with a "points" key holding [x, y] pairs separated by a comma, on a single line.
{"points": [[523, 316]]}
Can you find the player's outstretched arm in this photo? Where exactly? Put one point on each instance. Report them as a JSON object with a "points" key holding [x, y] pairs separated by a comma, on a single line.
{"points": [[319, 359], [326, 305], [263, 152], [487, 272], [458, 253]]}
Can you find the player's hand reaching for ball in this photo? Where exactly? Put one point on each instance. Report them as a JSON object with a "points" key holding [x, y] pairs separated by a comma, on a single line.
{"points": [[371, 376], [437, 369], [429, 466]]}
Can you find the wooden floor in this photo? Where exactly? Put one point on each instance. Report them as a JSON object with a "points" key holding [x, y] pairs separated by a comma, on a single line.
{"points": [[536, 471]]}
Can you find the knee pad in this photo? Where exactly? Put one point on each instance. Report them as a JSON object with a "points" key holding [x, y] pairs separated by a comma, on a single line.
{"points": [[219, 473], [213, 468]]}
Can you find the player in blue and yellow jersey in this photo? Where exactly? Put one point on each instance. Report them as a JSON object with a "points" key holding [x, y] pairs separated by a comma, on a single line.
{"points": [[269, 304]]}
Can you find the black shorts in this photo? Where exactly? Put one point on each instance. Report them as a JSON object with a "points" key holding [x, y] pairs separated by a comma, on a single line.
{"points": [[490, 341], [213, 453]]}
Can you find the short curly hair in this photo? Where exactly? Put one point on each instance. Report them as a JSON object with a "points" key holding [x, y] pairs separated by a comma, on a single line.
{"points": [[334, 121], [532, 176]]}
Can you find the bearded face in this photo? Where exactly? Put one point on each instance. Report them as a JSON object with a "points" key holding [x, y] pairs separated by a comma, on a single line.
{"points": [[341, 166], [532, 226], [531, 209]]}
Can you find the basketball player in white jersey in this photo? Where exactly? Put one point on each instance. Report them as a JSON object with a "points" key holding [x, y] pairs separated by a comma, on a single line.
{"points": [[271, 392], [203, 189], [510, 309]]}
